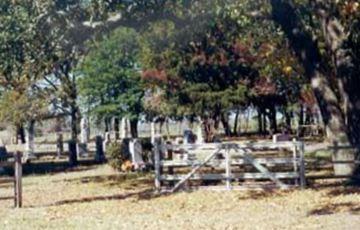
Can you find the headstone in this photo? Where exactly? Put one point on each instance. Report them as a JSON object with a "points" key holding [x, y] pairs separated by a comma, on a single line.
{"points": [[73, 160], [124, 128], [30, 145], [3, 154], [85, 131], [199, 135], [280, 137], [59, 145], [189, 137], [136, 150], [125, 150], [152, 132], [179, 140], [107, 140], [82, 150], [3, 151], [99, 152]]}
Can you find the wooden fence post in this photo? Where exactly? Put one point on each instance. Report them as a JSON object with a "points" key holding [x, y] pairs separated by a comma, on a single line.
{"points": [[170, 157], [302, 166], [228, 168], [18, 180], [296, 160], [157, 143]]}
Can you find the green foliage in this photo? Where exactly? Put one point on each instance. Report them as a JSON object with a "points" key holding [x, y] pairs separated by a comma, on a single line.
{"points": [[27, 50], [110, 82], [115, 156], [18, 107], [195, 69]]}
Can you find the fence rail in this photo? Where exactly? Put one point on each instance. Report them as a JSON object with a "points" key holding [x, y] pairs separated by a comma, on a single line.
{"points": [[15, 162]]}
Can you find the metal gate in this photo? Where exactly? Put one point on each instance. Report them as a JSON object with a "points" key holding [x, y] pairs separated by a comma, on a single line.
{"points": [[230, 165]]}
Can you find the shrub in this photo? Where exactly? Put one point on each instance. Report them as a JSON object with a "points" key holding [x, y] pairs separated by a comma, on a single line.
{"points": [[115, 155]]}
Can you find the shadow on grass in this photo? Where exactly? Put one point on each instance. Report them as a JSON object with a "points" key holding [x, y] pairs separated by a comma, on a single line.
{"points": [[329, 209], [127, 180], [53, 167], [6, 198], [145, 194], [349, 190], [267, 193], [338, 189]]}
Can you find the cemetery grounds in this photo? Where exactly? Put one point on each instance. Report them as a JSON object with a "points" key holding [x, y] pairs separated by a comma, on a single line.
{"points": [[96, 197]]}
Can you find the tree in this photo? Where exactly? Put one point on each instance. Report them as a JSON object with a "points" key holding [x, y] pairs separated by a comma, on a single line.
{"points": [[331, 61], [26, 55], [216, 65], [110, 81]]}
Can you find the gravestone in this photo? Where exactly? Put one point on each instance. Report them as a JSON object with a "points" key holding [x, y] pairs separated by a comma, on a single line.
{"points": [[84, 131], [107, 140], [135, 149], [189, 137], [199, 135], [59, 145], [82, 150], [3, 154], [3, 151], [73, 160], [179, 140], [281, 137], [99, 152], [84, 137], [124, 128], [152, 132], [125, 148], [30, 145]]}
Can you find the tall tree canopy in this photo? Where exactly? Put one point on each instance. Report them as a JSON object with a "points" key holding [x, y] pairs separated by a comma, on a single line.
{"points": [[110, 82]]}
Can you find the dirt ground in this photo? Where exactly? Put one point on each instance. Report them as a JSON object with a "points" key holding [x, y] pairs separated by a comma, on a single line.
{"points": [[96, 197]]}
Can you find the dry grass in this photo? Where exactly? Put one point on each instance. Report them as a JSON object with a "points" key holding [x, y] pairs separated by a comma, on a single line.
{"points": [[99, 198]]}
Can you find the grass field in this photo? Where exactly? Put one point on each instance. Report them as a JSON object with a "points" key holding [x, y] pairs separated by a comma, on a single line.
{"points": [[96, 197]]}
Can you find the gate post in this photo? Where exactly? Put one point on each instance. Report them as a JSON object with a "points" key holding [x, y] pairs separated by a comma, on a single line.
{"points": [[157, 143], [302, 166], [18, 179], [296, 161], [228, 167]]}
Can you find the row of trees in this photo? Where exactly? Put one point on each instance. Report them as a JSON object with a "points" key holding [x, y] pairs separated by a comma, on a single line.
{"points": [[201, 65], [182, 58]]}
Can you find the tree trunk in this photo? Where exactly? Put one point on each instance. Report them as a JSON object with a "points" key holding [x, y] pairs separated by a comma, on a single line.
{"points": [[74, 120], [225, 122], [264, 122], [20, 134], [117, 128], [317, 73], [236, 122], [273, 122], [301, 121], [134, 128], [308, 116], [209, 129], [287, 121], [260, 121], [107, 125]]}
